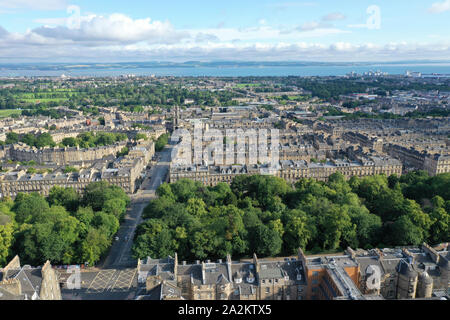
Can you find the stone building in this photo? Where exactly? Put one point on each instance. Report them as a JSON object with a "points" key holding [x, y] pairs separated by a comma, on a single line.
{"points": [[415, 160], [291, 171], [61, 156], [125, 173], [226, 280], [408, 273], [27, 283]]}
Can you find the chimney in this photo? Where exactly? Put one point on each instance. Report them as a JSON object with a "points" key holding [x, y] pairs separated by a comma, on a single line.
{"points": [[255, 262], [408, 255], [139, 265], [175, 265], [351, 252], [203, 273], [433, 253], [230, 276]]}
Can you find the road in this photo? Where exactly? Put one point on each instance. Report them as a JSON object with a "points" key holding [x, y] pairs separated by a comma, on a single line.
{"points": [[120, 255]]}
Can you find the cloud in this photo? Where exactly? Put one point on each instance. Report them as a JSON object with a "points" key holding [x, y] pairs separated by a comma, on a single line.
{"points": [[358, 26], [52, 21], [3, 32], [310, 26], [114, 28], [335, 16], [34, 4], [33, 47], [118, 37], [220, 25], [439, 7], [205, 37]]}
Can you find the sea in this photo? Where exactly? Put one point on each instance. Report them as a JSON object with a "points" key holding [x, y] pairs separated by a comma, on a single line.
{"points": [[441, 69]]}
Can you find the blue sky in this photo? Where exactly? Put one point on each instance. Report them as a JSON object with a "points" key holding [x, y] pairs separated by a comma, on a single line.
{"points": [[316, 30]]}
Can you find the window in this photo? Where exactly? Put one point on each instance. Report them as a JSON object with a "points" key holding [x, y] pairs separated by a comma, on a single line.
{"points": [[314, 281], [267, 290], [315, 273]]}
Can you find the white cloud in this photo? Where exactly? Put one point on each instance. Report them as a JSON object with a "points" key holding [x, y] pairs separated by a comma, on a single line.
{"points": [[116, 28], [313, 25], [33, 47], [118, 37], [34, 4], [205, 37], [52, 21], [334, 16], [439, 7]]}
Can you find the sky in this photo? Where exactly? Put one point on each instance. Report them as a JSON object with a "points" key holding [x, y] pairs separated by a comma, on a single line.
{"points": [[232, 30]]}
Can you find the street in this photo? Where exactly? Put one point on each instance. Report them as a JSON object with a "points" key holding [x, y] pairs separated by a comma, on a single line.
{"points": [[120, 255]]}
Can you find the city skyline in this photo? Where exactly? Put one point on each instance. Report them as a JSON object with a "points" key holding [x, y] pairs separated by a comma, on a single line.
{"points": [[100, 31]]}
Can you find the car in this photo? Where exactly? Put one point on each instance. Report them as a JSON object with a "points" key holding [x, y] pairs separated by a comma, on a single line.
{"points": [[116, 238]]}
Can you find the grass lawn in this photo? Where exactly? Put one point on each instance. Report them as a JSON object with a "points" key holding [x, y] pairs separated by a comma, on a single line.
{"points": [[8, 112], [246, 85], [36, 100]]}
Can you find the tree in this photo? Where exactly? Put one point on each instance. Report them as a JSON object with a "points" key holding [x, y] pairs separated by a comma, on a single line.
{"points": [[84, 215], [6, 239], [165, 190], [70, 142], [66, 197], [94, 246], [11, 138], [116, 207], [29, 139], [404, 232], [184, 189], [368, 226], [141, 136], [29, 206], [297, 234], [161, 142], [153, 240], [440, 227], [51, 237], [106, 223], [265, 241], [97, 193], [196, 207], [44, 140]]}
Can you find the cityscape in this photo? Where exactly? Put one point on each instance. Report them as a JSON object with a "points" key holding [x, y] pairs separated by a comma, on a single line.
{"points": [[196, 178]]}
